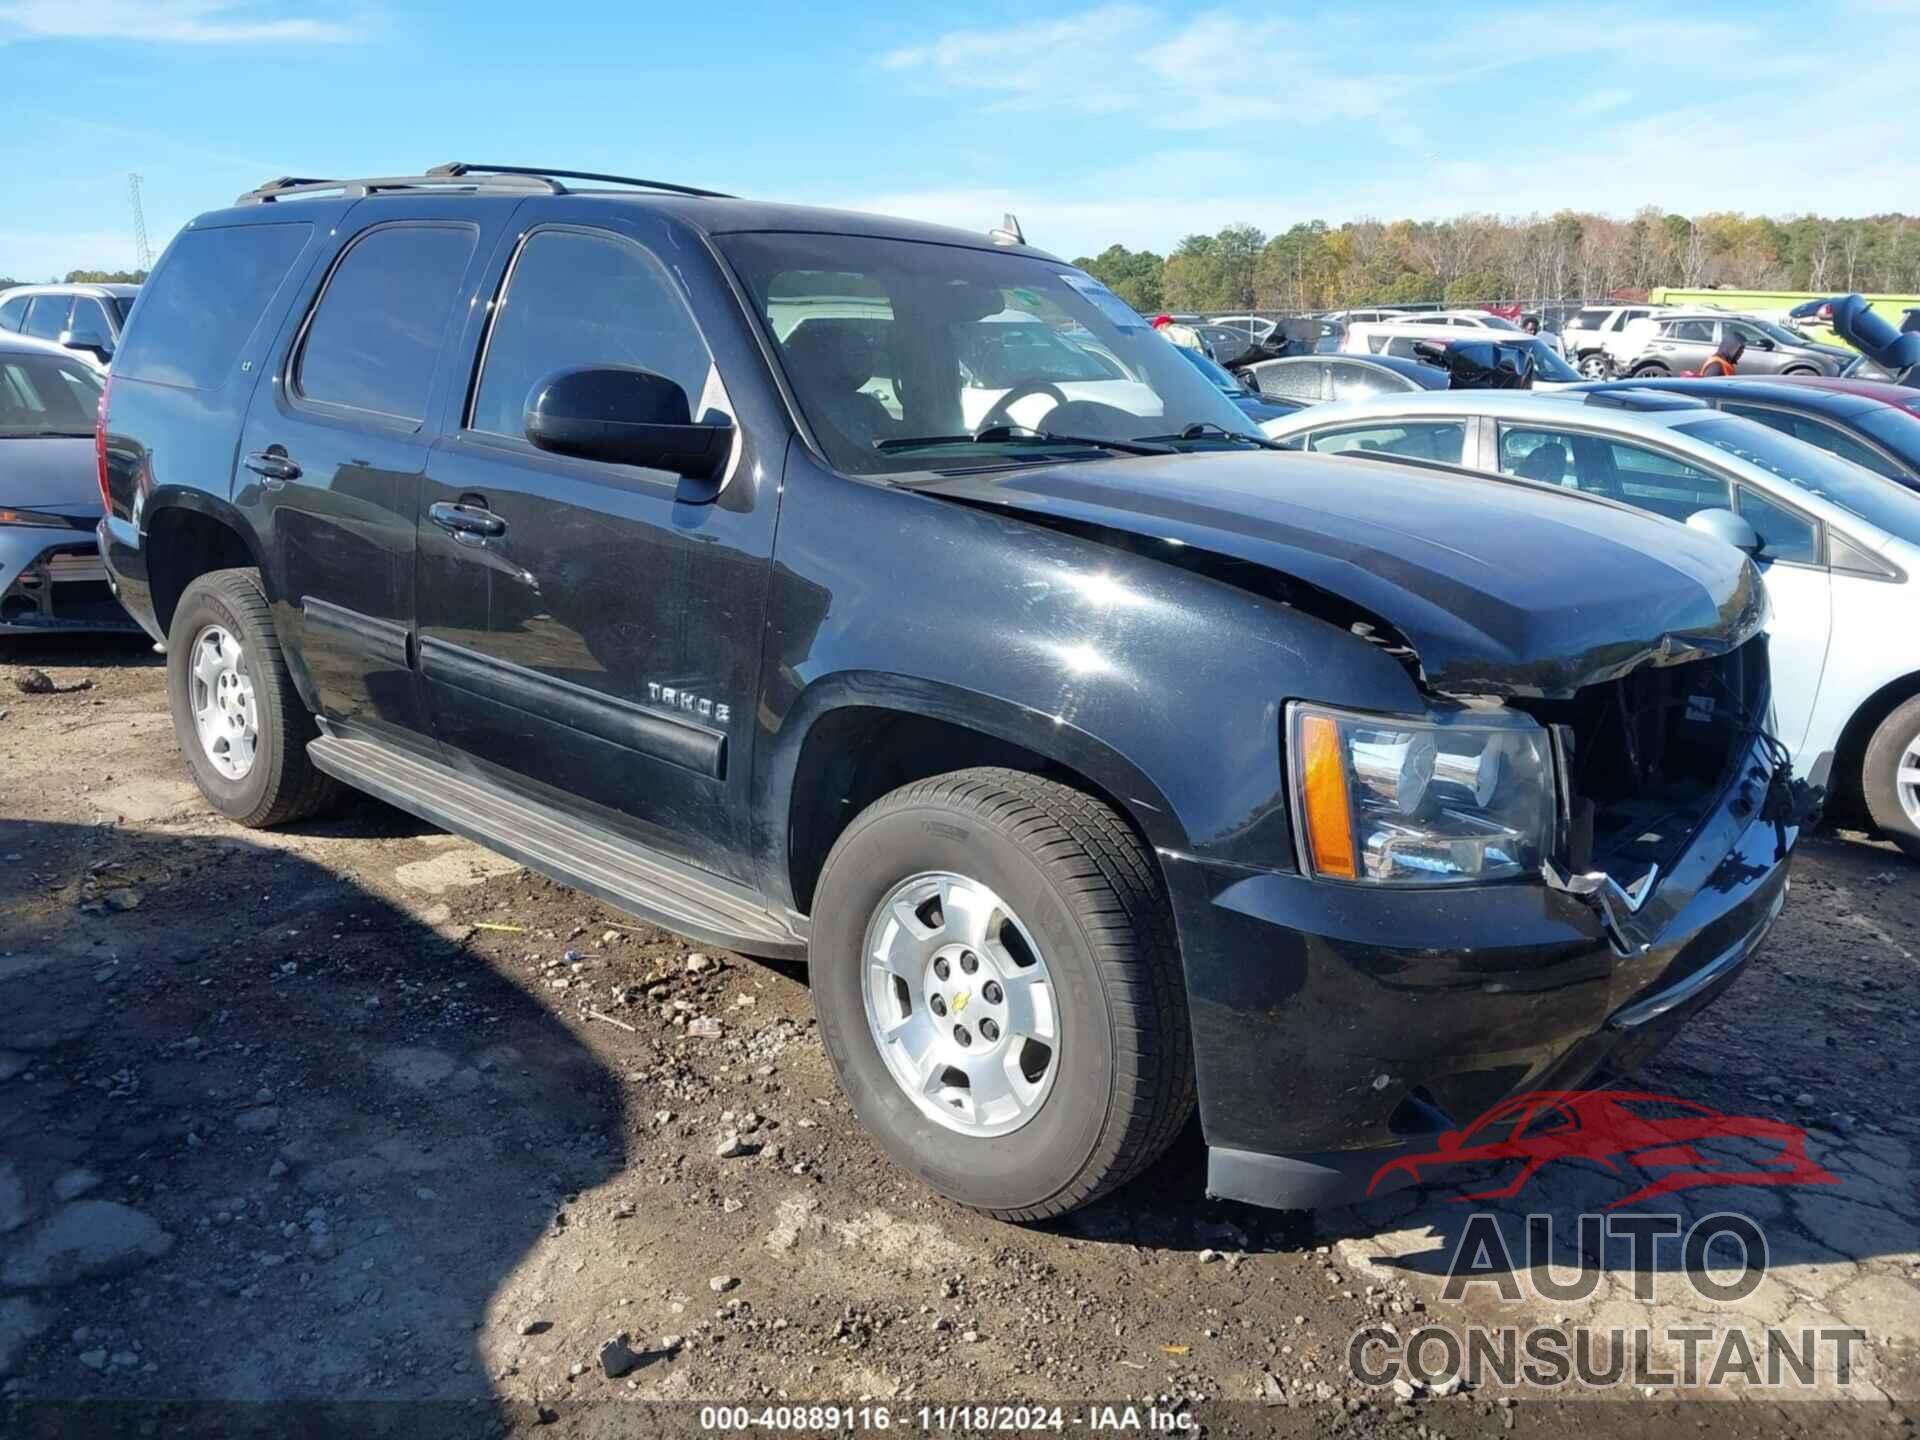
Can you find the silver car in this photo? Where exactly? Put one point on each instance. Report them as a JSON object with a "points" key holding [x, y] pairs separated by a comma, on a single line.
{"points": [[51, 577], [1683, 342], [86, 319]]}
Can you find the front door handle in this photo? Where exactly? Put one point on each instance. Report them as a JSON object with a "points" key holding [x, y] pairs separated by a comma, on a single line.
{"points": [[273, 465], [463, 520]]}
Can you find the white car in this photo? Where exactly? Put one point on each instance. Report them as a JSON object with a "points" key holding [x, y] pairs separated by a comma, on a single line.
{"points": [[85, 319], [1839, 546], [1584, 340], [1478, 320], [1398, 337]]}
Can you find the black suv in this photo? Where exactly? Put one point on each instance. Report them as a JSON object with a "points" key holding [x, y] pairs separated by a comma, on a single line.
{"points": [[826, 586]]}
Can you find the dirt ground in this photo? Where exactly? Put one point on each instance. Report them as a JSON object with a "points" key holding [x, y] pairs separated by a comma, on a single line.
{"points": [[357, 1113]]}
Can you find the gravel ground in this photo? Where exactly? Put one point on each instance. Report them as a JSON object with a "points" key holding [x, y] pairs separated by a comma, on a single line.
{"points": [[358, 1112]]}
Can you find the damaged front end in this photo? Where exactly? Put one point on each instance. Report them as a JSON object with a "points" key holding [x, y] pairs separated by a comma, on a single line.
{"points": [[1644, 760]]}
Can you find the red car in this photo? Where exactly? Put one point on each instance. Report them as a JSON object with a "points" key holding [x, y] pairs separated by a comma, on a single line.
{"points": [[1622, 1130], [1903, 397]]}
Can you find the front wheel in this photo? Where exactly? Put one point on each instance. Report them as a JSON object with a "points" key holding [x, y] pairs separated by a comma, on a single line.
{"points": [[999, 991], [239, 720], [1655, 371], [1890, 777]]}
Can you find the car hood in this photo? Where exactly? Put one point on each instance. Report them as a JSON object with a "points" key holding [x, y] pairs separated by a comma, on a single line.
{"points": [[54, 475], [1501, 587]]}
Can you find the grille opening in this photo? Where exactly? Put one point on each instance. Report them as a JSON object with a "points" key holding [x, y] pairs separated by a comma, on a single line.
{"points": [[1650, 754]]}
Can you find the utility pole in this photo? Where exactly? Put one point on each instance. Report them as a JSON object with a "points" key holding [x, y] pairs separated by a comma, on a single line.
{"points": [[142, 252]]}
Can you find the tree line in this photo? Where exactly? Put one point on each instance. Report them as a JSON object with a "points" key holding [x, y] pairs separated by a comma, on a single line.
{"points": [[85, 277], [1472, 259]]}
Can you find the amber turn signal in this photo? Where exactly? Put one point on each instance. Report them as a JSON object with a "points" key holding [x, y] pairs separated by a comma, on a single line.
{"points": [[1329, 815]]}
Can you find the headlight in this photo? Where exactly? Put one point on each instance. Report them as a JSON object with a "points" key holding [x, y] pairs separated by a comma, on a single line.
{"points": [[1420, 802], [32, 517]]}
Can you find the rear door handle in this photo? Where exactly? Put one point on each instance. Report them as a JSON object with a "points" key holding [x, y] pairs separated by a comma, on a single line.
{"points": [[273, 465], [464, 520]]}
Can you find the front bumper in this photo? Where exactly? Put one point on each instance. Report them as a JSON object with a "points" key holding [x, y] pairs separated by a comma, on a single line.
{"points": [[53, 581], [1335, 1027]]}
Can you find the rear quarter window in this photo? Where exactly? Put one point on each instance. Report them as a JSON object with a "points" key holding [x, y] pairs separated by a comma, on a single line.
{"points": [[203, 302]]}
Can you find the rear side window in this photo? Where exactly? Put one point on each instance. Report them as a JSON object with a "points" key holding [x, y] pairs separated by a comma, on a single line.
{"points": [[575, 298], [1359, 382], [377, 330], [1422, 439], [1289, 382], [47, 316], [204, 301]]}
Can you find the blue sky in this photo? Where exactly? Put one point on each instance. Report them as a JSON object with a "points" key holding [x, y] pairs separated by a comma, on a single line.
{"points": [[1135, 122]]}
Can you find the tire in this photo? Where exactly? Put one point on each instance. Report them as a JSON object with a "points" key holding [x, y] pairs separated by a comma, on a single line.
{"points": [[278, 782], [1083, 889], [1893, 804], [1655, 371], [1800, 370], [1594, 365]]}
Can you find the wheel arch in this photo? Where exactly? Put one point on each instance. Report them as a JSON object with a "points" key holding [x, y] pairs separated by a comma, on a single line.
{"points": [[187, 533], [856, 736], [1850, 751]]}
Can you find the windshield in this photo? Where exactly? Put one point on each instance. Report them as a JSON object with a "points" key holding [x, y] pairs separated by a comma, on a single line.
{"points": [[44, 395], [1860, 492], [907, 356], [1779, 333], [1497, 322]]}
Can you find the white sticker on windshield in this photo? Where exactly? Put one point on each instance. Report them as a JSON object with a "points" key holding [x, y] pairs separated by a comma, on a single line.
{"points": [[1106, 302]]}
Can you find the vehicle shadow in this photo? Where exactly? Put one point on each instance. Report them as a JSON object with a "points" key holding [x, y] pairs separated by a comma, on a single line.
{"points": [[266, 1161], [95, 652]]}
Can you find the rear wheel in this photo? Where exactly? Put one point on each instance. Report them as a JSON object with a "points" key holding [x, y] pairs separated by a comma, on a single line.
{"points": [[1653, 371], [1594, 365], [994, 969], [1800, 370], [239, 720], [1890, 777]]}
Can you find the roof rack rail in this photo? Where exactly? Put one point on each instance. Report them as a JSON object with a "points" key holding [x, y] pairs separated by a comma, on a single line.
{"points": [[461, 167], [292, 185]]}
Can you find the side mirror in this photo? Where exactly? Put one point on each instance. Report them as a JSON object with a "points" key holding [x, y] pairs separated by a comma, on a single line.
{"points": [[625, 416], [1727, 526], [80, 340]]}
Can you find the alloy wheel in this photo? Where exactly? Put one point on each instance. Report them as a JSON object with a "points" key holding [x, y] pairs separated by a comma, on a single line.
{"points": [[226, 716], [960, 1004]]}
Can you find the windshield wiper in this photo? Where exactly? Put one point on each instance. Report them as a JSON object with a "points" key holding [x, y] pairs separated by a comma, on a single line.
{"points": [[1019, 435], [1208, 430]]}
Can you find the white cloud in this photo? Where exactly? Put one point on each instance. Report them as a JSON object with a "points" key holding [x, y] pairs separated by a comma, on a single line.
{"points": [[1690, 162], [182, 22], [1508, 109]]}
